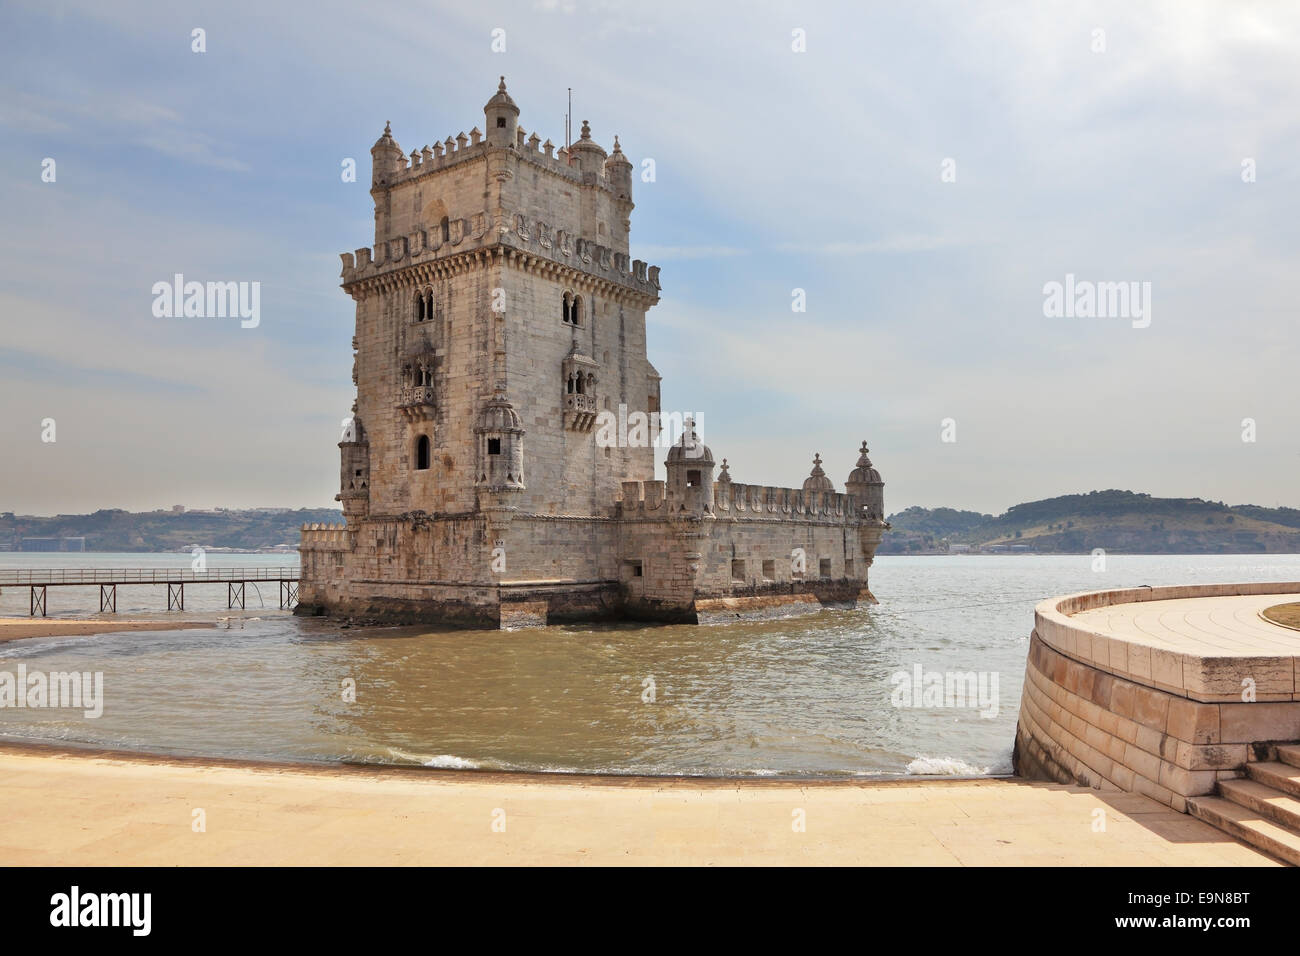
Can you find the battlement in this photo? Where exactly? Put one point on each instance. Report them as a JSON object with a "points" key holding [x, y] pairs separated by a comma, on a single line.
{"points": [[533, 236], [735, 500], [463, 149], [325, 537]]}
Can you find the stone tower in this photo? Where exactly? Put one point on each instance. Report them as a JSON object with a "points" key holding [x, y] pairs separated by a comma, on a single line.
{"points": [[507, 317], [500, 335]]}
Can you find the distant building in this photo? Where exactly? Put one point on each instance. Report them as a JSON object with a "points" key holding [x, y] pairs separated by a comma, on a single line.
{"points": [[500, 328], [178, 509], [41, 544]]}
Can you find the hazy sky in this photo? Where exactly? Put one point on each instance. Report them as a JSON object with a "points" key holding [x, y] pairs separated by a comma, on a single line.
{"points": [[821, 170]]}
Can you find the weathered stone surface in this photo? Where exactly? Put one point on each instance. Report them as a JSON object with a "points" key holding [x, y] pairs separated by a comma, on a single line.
{"points": [[499, 319], [1171, 714]]}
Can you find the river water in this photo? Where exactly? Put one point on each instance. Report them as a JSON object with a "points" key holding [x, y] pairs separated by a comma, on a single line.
{"points": [[815, 695]]}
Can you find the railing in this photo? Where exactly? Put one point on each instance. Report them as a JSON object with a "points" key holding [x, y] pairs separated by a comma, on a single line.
{"points": [[71, 576], [416, 395], [580, 403]]}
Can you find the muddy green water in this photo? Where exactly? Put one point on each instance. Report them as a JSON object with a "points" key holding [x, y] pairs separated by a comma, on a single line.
{"points": [[803, 696]]}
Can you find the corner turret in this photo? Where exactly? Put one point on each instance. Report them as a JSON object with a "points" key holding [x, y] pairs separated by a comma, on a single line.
{"points": [[502, 118], [690, 473], [867, 486], [387, 159]]}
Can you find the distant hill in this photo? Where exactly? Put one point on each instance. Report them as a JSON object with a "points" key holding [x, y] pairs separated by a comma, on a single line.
{"points": [[117, 530], [1123, 521]]}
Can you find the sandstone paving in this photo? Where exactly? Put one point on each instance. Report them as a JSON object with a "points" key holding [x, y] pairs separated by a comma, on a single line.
{"points": [[62, 807]]}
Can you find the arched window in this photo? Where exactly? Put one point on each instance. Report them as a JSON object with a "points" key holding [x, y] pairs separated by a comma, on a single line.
{"points": [[445, 225], [566, 309], [422, 453], [577, 310]]}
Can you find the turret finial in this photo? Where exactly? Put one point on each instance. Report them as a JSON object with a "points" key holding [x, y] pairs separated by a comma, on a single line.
{"points": [[586, 130], [501, 87]]}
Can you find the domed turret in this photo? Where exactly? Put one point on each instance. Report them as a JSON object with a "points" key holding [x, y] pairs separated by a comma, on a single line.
{"points": [[386, 158], [502, 117], [690, 473], [354, 469], [817, 480], [690, 449], [587, 153], [500, 438], [618, 170], [867, 486]]}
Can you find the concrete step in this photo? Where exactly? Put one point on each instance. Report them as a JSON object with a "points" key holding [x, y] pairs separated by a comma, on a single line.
{"points": [[1247, 826], [1279, 776], [1289, 754], [1283, 809]]}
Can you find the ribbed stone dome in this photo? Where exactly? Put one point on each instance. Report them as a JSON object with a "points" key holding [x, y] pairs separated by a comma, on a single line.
{"points": [[501, 99], [498, 415], [617, 158], [689, 449], [386, 140], [865, 473], [817, 480]]}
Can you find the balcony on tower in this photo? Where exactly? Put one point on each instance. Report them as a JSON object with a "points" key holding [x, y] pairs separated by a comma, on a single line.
{"points": [[580, 408], [416, 395]]}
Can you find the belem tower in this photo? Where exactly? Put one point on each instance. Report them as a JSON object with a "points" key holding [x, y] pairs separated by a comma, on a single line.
{"points": [[500, 324]]}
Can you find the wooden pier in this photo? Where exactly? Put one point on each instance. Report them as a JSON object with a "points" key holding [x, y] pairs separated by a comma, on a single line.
{"points": [[39, 581]]}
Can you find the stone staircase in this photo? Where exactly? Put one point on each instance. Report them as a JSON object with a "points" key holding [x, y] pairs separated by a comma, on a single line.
{"points": [[1262, 808]]}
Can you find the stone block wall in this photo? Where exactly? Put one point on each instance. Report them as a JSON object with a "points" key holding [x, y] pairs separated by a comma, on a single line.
{"points": [[1111, 714]]}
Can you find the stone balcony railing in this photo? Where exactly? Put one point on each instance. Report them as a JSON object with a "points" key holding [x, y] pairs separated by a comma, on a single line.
{"points": [[579, 411], [416, 402]]}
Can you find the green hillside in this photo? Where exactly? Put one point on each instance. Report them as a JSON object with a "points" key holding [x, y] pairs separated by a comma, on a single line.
{"points": [[1123, 521]]}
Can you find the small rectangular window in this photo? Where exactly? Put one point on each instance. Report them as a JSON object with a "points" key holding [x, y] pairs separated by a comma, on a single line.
{"points": [[501, 122], [769, 571], [824, 567], [738, 570], [692, 479], [494, 446], [848, 567]]}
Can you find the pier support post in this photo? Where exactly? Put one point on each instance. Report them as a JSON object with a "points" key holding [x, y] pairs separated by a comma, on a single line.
{"points": [[38, 599], [175, 596], [288, 594], [108, 598], [235, 592]]}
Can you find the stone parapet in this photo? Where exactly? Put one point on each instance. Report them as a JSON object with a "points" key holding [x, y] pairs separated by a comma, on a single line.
{"points": [[1105, 710]]}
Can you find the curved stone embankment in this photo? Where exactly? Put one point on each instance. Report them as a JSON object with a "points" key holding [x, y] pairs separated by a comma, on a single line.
{"points": [[1159, 691]]}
